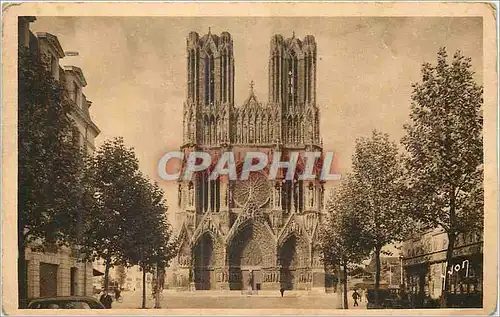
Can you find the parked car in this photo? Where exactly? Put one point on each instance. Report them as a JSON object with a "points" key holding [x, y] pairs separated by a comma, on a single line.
{"points": [[387, 298], [23, 303], [65, 302]]}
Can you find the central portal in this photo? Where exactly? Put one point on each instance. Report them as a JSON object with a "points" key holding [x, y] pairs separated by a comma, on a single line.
{"points": [[251, 277], [249, 253]]}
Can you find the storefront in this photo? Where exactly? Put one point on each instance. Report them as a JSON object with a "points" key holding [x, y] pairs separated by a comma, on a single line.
{"points": [[425, 277], [465, 281]]}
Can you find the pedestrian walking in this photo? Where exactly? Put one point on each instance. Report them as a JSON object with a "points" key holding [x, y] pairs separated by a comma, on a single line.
{"points": [[118, 293], [356, 296], [106, 300], [282, 291]]}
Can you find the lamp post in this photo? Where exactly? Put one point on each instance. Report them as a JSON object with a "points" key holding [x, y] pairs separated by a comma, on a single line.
{"points": [[390, 273], [401, 268]]}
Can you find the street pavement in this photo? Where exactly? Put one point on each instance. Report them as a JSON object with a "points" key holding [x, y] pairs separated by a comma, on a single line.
{"points": [[236, 300]]}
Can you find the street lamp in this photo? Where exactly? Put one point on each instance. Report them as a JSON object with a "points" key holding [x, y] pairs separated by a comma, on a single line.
{"points": [[401, 267], [71, 53], [390, 273]]}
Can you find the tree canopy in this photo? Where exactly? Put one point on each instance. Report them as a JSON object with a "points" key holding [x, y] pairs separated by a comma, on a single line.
{"points": [[148, 230], [376, 188], [49, 161], [444, 159], [341, 238], [110, 181], [444, 146]]}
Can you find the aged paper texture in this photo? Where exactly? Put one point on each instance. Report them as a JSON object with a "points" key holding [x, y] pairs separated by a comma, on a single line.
{"points": [[394, 103]]}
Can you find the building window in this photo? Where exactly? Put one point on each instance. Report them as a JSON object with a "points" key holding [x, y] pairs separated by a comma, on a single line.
{"points": [[76, 94], [192, 74], [54, 67], [209, 78]]}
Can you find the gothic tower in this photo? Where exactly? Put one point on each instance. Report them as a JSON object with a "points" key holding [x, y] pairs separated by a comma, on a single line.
{"points": [[210, 89], [292, 88]]}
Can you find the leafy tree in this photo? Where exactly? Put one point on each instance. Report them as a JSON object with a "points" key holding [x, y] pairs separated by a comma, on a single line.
{"points": [[149, 231], [121, 275], [49, 161], [377, 192], [445, 149], [341, 237], [110, 183]]}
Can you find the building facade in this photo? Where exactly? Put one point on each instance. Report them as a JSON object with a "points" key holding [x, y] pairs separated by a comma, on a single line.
{"points": [[390, 271], [133, 277], [59, 271], [259, 233], [424, 264]]}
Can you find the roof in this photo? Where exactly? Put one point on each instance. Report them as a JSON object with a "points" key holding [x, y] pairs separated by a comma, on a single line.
{"points": [[214, 41], [78, 73], [53, 42], [293, 43], [61, 298], [252, 103], [28, 18]]}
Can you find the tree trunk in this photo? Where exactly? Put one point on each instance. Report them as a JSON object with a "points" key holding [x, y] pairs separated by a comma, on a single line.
{"points": [[449, 251], [346, 303], [143, 288], [449, 256], [22, 284], [157, 288], [377, 274], [106, 273], [338, 286]]}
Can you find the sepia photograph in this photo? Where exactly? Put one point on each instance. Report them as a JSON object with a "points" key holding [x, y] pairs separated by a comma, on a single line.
{"points": [[258, 162]]}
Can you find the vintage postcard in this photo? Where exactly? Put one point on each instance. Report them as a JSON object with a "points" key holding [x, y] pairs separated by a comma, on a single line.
{"points": [[249, 158]]}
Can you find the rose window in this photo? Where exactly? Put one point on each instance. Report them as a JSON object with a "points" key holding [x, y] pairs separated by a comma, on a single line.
{"points": [[254, 191]]}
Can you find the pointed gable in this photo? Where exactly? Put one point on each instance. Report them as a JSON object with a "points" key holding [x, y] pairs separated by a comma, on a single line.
{"points": [[251, 104]]}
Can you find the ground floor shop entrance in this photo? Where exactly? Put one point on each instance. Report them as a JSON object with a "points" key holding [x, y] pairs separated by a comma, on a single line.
{"points": [[48, 279]]}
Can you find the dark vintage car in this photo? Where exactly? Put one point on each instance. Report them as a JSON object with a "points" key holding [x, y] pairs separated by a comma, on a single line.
{"points": [[387, 298], [65, 302]]}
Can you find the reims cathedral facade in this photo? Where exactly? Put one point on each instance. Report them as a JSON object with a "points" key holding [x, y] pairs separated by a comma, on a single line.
{"points": [[259, 233]]}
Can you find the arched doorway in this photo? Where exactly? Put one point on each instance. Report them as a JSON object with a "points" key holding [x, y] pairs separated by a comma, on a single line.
{"points": [[203, 260], [292, 258], [251, 250]]}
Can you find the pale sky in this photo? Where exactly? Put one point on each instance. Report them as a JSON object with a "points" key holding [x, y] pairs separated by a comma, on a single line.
{"points": [[135, 68]]}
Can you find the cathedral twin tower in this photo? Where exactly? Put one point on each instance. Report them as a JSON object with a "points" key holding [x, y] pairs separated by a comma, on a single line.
{"points": [[290, 116], [260, 233]]}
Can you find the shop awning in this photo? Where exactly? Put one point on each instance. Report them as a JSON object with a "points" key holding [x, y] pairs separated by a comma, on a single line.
{"points": [[97, 273]]}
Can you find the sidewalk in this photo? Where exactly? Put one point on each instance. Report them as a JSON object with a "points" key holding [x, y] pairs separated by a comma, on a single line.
{"points": [[239, 293], [233, 300]]}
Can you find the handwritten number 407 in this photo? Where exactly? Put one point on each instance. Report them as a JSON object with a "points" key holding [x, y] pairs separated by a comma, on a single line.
{"points": [[456, 268]]}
